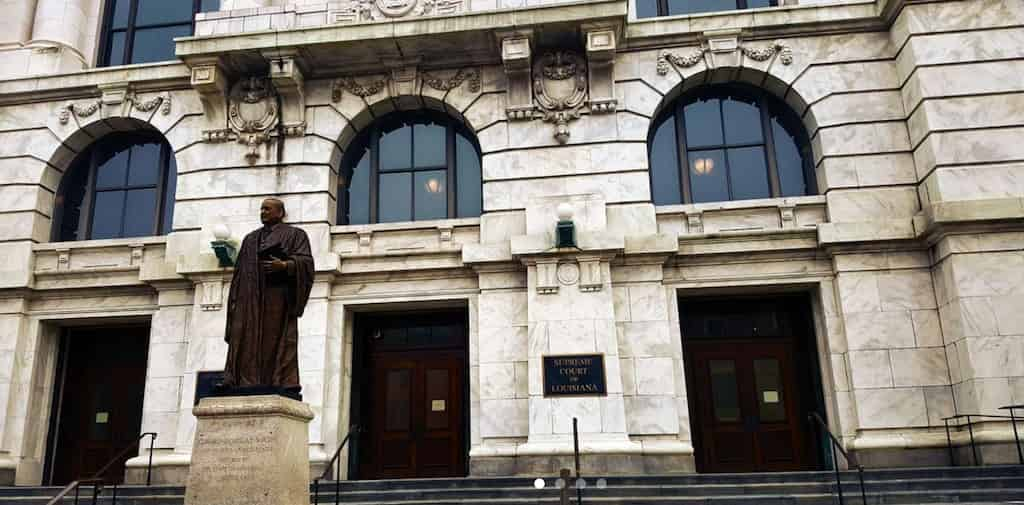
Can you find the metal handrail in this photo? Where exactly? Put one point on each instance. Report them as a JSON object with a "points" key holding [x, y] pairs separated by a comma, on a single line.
{"points": [[850, 460], [352, 430], [970, 430], [97, 479], [576, 455]]}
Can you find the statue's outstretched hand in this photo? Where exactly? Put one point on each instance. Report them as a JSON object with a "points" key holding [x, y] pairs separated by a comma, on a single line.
{"points": [[274, 264]]}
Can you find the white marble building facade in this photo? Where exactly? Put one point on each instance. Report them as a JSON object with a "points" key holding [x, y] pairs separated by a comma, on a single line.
{"points": [[909, 246]]}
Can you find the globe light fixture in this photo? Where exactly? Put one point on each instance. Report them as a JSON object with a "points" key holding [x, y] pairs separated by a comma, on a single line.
{"points": [[433, 185], [703, 166]]}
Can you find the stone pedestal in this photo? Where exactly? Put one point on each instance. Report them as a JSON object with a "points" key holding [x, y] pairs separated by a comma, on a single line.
{"points": [[250, 450]]}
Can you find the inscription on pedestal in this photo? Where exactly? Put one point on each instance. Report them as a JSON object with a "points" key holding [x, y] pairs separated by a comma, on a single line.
{"points": [[250, 451]]}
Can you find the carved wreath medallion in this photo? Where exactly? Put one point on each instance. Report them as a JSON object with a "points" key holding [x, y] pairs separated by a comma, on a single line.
{"points": [[560, 89]]}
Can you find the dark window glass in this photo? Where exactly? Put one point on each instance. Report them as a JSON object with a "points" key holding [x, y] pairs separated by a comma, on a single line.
{"points": [[157, 44], [665, 164], [724, 390], [467, 173], [395, 197], [396, 149], [729, 153], [122, 186], [139, 212], [430, 195], [359, 192], [107, 214], [120, 11], [116, 51], [742, 122], [708, 176], [145, 165], [113, 169], [789, 161], [708, 115], [406, 167], [748, 173], [154, 12], [646, 8], [429, 141], [142, 31], [170, 193], [652, 8]]}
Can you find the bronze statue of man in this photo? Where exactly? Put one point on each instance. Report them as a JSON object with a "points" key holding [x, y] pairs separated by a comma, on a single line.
{"points": [[269, 290]]}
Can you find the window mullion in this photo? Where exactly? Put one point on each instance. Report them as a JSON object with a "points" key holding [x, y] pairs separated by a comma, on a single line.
{"points": [[374, 174], [161, 181], [725, 148], [129, 33], [682, 156], [88, 200], [769, 150], [451, 170]]}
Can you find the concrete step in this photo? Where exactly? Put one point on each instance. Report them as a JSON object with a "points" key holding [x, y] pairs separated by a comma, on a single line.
{"points": [[914, 486]]}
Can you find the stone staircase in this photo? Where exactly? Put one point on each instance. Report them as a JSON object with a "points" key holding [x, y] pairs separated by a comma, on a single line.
{"points": [[979, 485]]}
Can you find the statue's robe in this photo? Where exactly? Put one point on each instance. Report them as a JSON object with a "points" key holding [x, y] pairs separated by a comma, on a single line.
{"points": [[263, 309]]}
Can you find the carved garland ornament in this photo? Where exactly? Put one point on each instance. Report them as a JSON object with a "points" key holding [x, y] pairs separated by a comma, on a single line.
{"points": [[471, 76], [667, 58], [463, 75], [78, 110], [162, 100]]}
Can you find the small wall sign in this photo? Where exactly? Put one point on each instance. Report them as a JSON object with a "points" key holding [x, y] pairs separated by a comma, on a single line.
{"points": [[574, 375]]}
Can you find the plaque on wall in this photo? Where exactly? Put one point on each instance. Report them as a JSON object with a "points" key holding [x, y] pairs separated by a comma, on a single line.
{"points": [[574, 375]]}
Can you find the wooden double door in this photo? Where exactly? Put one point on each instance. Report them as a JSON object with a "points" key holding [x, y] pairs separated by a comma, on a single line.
{"points": [[749, 407], [97, 404], [752, 381], [413, 397]]}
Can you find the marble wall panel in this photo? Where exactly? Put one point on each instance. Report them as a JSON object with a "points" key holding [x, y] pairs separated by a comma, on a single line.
{"points": [[891, 408], [651, 415], [871, 369], [920, 367], [570, 160], [868, 138], [615, 187], [853, 205], [963, 80], [879, 330], [975, 182], [504, 418]]}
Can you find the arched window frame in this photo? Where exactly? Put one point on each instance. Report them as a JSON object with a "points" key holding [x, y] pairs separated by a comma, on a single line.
{"points": [[89, 161], [369, 139], [768, 105]]}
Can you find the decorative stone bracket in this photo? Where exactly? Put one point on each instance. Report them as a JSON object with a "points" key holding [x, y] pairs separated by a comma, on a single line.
{"points": [[257, 109], [724, 43], [560, 85], [584, 271]]}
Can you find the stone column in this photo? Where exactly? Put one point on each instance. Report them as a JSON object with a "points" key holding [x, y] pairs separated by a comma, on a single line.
{"points": [[58, 36], [16, 23]]}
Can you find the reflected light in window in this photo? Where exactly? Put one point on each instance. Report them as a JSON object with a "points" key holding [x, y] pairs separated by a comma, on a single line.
{"points": [[703, 166], [433, 185]]}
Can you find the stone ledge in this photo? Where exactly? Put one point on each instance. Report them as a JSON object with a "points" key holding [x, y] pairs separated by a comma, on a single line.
{"points": [[260, 405]]}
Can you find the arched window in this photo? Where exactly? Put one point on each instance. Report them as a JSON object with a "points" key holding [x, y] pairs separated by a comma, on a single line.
{"points": [[122, 186], [728, 142], [410, 166]]}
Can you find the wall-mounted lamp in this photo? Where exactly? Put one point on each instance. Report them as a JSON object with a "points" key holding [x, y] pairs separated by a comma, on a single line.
{"points": [[565, 231], [224, 247]]}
